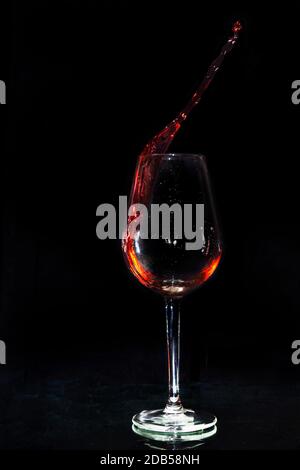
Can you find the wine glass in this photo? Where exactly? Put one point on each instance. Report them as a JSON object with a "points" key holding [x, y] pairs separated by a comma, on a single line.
{"points": [[168, 262]]}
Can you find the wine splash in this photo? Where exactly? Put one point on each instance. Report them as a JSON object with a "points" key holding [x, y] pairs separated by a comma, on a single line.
{"points": [[145, 177], [161, 141]]}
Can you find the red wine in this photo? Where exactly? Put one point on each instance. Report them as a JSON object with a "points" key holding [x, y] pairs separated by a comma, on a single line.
{"points": [[161, 142], [165, 265], [154, 263]]}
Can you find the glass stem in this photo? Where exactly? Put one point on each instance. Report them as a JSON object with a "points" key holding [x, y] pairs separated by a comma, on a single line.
{"points": [[173, 346]]}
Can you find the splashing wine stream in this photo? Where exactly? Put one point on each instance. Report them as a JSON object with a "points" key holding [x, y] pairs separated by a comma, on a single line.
{"points": [[147, 170], [146, 173], [161, 141]]}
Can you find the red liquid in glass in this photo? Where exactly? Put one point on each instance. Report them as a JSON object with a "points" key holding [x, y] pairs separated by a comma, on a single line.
{"points": [[165, 266], [191, 271]]}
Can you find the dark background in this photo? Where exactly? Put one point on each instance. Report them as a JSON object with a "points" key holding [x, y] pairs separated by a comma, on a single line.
{"points": [[89, 83]]}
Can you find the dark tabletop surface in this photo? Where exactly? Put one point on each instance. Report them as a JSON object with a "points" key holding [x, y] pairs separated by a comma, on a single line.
{"points": [[71, 407]]}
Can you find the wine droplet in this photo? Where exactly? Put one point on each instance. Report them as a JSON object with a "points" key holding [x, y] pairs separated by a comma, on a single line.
{"points": [[237, 27]]}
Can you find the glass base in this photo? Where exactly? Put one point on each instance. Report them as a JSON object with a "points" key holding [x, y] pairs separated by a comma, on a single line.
{"points": [[186, 425]]}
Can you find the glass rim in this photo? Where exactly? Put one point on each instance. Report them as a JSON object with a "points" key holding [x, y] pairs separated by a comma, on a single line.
{"points": [[174, 155]]}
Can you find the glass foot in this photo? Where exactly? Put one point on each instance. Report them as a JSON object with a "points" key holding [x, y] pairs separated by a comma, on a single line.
{"points": [[187, 425]]}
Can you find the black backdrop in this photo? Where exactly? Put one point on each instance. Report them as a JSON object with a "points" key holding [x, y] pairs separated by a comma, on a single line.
{"points": [[89, 83]]}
